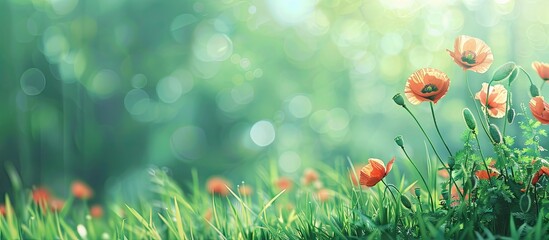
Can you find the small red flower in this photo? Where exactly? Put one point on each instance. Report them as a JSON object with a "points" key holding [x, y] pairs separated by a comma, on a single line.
{"points": [[81, 190], [543, 171], [56, 205], [245, 190], [309, 176], [284, 183], [2, 210], [41, 196], [483, 174], [96, 211], [218, 185], [374, 171], [324, 195]]}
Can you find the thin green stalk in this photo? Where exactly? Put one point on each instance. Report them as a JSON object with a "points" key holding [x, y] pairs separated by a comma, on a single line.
{"points": [[432, 204], [483, 159], [431, 143], [476, 107], [438, 130], [397, 207]]}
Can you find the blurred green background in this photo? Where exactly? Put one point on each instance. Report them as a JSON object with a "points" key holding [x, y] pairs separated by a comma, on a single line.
{"points": [[102, 90]]}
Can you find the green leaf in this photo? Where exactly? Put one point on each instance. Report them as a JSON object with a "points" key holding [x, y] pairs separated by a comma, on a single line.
{"points": [[503, 71], [514, 75]]}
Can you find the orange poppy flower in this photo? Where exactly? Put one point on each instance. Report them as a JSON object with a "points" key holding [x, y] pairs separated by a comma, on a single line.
{"points": [[483, 174], [81, 190], [426, 84], [218, 185], [41, 196], [374, 171], [96, 211], [542, 69], [284, 183], [324, 195], [543, 171], [245, 190], [2, 210], [540, 109], [497, 99], [472, 54], [309, 176]]}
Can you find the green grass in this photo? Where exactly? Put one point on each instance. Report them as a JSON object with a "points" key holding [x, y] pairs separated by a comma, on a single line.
{"points": [[351, 212]]}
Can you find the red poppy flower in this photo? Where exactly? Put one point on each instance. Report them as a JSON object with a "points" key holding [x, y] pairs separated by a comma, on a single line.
{"points": [[309, 176], [497, 99], [540, 109], [41, 196], [218, 185], [374, 171], [324, 195], [472, 54], [542, 69], [284, 183], [96, 211], [483, 174], [81, 190], [426, 84], [2, 210], [245, 190]]}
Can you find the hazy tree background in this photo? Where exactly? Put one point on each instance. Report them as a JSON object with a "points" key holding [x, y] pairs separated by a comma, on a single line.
{"points": [[101, 90]]}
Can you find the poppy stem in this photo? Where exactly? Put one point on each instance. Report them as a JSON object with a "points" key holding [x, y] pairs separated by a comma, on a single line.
{"points": [[432, 204], [432, 146], [541, 87], [476, 107], [438, 130], [483, 160], [527, 75], [397, 207]]}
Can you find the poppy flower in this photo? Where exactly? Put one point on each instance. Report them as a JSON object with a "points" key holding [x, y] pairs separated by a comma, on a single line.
{"points": [[324, 195], [426, 84], [443, 173], [472, 54], [540, 109], [245, 190], [542, 69], [543, 171], [96, 211], [81, 190], [41, 196], [218, 185], [2, 210], [284, 183], [483, 174], [309, 176], [497, 99], [374, 171]]}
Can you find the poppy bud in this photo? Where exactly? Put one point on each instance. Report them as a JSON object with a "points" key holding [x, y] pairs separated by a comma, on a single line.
{"points": [[503, 71], [513, 76], [444, 193], [495, 133], [406, 202], [469, 119], [510, 115], [525, 203], [417, 191], [399, 142], [399, 100], [534, 91], [451, 163]]}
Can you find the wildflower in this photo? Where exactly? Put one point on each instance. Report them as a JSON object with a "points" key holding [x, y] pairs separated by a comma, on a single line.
{"points": [[41, 196], [56, 205], [497, 99], [483, 174], [218, 185], [540, 109], [543, 171], [309, 176], [96, 211], [324, 195], [472, 54], [245, 190], [2, 210], [444, 173], [542, 69], [374, 171], [81, 190], [284, 183], [426, 84]]}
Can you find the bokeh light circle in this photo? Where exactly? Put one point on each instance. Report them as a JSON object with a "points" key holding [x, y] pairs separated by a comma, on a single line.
{"points": [[262, 133], [33, 82], [300, 106]]}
